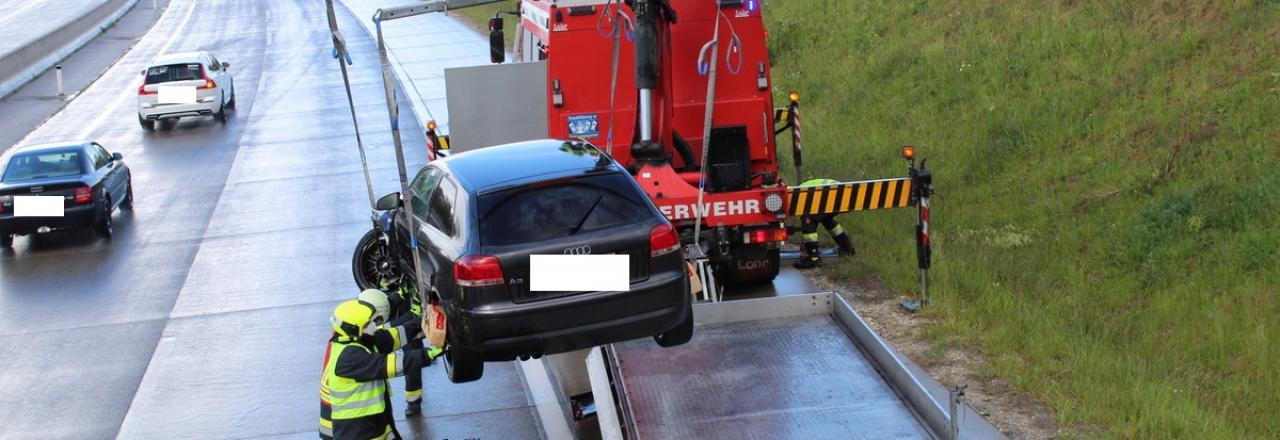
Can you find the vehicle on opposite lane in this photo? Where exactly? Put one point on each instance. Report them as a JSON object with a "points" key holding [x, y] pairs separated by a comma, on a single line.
{"points": [[482, 214], [91, 182], [181, 74]]}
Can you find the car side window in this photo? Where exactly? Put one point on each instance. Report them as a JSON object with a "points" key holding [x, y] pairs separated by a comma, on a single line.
{"points": [[422, 186], [442, 207], [99, 156], [210, 62]]}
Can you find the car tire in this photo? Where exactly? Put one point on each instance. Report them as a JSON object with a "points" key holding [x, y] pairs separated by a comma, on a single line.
{"points": [[6, 241], [104, 227], [146, 125], [679, 335], [232, 103], [462, 366], [221, 114], [127, 204], [370, 255]]}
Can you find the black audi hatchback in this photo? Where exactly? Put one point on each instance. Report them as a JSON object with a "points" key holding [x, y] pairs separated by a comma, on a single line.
{"points": [[484, 213]]}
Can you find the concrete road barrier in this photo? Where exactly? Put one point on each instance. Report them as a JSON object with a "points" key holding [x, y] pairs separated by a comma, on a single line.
{"points": [[22, 64]]}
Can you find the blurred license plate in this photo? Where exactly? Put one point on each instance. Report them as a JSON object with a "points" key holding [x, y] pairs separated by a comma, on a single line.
{"points": [[37, 206], [176, 94], [579, 273]]}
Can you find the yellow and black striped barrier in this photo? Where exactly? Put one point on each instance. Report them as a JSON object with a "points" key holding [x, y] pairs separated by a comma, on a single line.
{"points": [[841, 197]]}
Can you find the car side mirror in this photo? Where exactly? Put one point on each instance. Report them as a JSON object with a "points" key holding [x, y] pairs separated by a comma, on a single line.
{"points": [[144, 72], [117, 156], [225, 64], [497, 42], [388, 202]]}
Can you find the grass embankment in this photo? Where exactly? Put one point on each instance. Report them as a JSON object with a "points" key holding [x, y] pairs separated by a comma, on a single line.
{"points": [[1105, 227]]}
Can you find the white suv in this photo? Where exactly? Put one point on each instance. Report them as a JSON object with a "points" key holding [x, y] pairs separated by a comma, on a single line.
{"points": [[185, 84]]}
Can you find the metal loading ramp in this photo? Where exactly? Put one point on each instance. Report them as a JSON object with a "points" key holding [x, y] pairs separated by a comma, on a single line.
{"points": [[791, 367], [816, 385]]}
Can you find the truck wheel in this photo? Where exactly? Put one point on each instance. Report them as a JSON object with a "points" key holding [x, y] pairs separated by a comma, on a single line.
{"points": [[104, 228], [462, 366], [372, 261], [6, 240], [679, 335]]}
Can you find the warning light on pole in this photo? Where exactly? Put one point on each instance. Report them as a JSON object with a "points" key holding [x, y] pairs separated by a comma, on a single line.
{"points": [[909, 152]]}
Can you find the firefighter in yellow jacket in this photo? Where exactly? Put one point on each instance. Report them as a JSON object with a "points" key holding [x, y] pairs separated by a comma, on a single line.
{"points": [[355, 402], [811, 253]]}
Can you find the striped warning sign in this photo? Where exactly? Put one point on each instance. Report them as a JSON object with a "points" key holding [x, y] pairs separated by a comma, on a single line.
{"points": [[841, 197]]}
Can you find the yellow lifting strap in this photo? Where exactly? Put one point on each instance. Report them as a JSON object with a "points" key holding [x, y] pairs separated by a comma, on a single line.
{"points": [[842, 197]]}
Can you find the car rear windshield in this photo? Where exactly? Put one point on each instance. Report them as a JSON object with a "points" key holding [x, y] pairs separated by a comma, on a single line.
{"points": [[43, 165], [174, 72], [559, 208]]}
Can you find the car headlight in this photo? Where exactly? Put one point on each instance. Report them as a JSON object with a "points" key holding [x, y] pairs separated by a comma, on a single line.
{"points": [[773, 202]]}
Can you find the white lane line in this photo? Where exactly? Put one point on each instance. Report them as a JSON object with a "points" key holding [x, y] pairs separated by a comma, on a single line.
{"points": [[128, 91]]}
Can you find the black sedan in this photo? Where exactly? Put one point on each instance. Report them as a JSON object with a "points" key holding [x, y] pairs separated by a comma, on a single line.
{"points": [[87, 182], [484, 214]]}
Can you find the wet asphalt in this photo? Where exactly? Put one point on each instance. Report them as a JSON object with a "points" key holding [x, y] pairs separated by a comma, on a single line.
{"points": [[206, 315]]}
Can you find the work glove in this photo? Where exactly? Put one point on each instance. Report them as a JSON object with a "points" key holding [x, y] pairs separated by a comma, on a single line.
{"points": [[430, 354]]}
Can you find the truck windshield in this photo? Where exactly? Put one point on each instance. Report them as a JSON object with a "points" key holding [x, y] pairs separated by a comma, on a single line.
{"points": [[560, 209], [42, 165]]}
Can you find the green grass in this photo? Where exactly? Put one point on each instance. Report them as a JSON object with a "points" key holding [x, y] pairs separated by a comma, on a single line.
{"points": [[478, 17], [1105, 223]]}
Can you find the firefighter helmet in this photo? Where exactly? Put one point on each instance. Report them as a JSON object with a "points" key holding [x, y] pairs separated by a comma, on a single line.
{"points": [[381, 306], [350, 318]]}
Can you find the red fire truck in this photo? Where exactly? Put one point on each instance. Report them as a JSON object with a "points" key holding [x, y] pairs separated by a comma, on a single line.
{"points": [[680, 92]]}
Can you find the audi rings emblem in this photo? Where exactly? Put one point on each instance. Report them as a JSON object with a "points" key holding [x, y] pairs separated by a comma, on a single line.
{"points": [[578, 250]]}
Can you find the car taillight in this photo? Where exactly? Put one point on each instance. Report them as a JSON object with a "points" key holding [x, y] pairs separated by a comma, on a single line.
{"points": [[478, 271], [764, 236], [208, 82], [142, 90], [663, 240], [84, 195]]}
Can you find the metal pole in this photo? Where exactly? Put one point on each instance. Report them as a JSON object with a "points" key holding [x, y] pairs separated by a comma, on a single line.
{"points": [[340, 48], [155, 4], [794, 114], [953, 418], [923, 214], [393, 112], [58, 69]]}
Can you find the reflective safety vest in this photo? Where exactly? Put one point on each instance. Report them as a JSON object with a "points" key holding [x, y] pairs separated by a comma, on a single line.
{"points": [[346, 399]]}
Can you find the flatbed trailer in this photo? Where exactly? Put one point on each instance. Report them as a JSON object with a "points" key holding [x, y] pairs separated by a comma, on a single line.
{"points": [[788, 367]]}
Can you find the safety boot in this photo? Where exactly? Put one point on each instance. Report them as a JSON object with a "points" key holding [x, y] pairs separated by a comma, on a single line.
{"points": [[413, 408], [810, 258], [846, 244]]}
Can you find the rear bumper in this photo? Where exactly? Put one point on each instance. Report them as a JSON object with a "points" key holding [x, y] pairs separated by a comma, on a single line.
{"points": [[571, 323], [73, 217], [164, 111]]}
